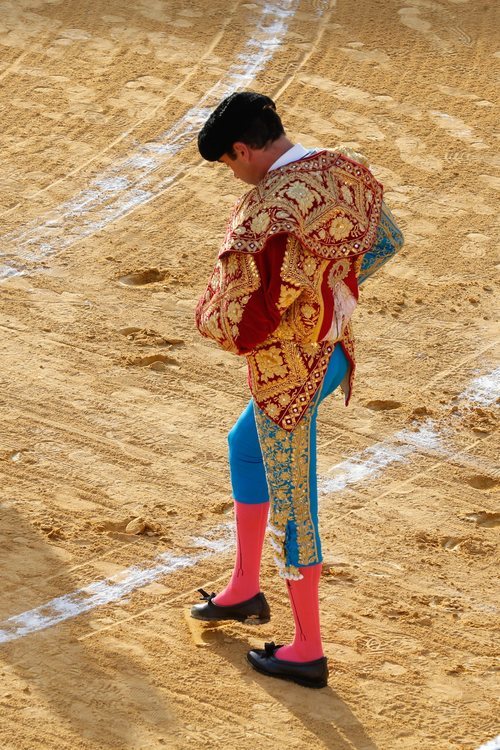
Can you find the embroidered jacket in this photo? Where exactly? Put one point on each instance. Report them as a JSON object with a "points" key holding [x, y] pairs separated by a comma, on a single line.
{"points": [[286, 281]]}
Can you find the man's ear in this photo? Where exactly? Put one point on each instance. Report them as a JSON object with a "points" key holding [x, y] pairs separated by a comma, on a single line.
{"points": [[242, 150]]}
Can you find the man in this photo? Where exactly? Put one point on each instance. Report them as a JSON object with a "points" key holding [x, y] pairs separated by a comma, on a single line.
{"points": [[282, 294]]}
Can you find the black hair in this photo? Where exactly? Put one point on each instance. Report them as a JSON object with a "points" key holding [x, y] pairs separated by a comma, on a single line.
{"points": [[244, 116], [264, 128]]}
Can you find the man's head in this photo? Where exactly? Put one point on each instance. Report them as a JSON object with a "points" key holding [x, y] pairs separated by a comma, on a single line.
{"points": [[245, 132]]}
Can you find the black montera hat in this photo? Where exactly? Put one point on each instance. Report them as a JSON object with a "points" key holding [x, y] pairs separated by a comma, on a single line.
{"points": [[229, 121]]}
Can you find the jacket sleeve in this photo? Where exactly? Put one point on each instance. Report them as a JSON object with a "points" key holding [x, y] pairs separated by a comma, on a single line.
{"points": [[389, 241], [247, 296], [265, 308]]}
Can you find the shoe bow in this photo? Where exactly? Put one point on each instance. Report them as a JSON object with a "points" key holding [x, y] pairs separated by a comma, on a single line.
{"points": [[205, 596], [269, 649]]}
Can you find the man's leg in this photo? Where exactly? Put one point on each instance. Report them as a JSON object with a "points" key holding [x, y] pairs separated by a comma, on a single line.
{"points": [[290, 460], [251, 506], [251, 521], [304, 601], [304, 593]]}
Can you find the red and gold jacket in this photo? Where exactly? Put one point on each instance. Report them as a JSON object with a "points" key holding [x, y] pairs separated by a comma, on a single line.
{"points": [[285, 284]]}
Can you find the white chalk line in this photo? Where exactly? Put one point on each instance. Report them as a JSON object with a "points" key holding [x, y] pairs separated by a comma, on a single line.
{"points": [[484, 390], [129, 184], [127, 133], [372, 461], [363, 466], [112, 589], [493, 744]]}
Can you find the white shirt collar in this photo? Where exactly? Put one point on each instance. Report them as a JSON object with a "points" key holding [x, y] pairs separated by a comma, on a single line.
{"points": [[293, 154]]}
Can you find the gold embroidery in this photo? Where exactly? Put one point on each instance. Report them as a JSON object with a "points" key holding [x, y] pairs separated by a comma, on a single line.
{"points": [[287, 295], [235, 311], [232, 264], [297, 383], [307, 311], [273, 411], [340, 228], [338, 272], [328, 207], [347, 194], [270, 363], [292, 269], [234, 278], [330, 203], [301, 318], [260, 223], [287, 464], [300, 193], [310, 265]]}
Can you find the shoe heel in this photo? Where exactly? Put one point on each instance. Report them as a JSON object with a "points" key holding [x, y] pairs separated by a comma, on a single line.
{"points": [[256, 620], [308, 684]]}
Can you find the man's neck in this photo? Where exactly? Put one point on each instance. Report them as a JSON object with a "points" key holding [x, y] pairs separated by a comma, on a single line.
{"points": [[275, 150]]}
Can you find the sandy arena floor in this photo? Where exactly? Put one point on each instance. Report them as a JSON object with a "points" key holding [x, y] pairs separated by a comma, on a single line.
{"points": [[114, 408]]}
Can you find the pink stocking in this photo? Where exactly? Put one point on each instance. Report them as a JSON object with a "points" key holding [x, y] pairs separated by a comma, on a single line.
{"points": [[303, 595], [251, 522]]}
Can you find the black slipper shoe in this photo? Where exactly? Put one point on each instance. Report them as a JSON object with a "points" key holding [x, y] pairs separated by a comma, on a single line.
{"points": [[253, 611], [313, 674]]}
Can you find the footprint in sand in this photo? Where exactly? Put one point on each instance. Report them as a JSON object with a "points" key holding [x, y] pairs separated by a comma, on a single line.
{"points": [[73, 35], [149, 337], [484, 519], [147, 83], [359, 126], [474, 547], [146, 91], [374, 57], [446, 604], [410, 17], [223, 507], [492, 181], [382, 405], [132, 526], [157, 362], [391, 645], [476, 245], [456, 92], [25, 456], [391, 668], [323, 5], [415, 152], [456, 128], [51, 530], [141, 278], [333, 575], [482, 482], [452, 543]]}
